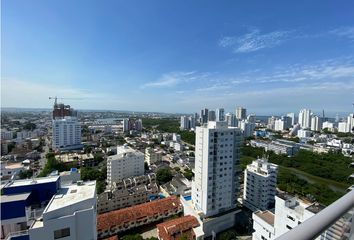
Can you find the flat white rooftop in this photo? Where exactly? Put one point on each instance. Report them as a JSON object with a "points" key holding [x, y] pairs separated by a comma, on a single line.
{"points": [[71, 194], [126, 149], [27, 182], [14, 197]]}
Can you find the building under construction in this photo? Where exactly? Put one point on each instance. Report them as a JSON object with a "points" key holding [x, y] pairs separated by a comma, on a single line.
{"points": [[60, 110]]}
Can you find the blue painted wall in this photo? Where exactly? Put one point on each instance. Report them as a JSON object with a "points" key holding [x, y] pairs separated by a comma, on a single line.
{"points": [[40, 192]]}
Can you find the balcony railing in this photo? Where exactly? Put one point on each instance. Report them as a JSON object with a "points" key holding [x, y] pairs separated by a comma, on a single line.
{"points": [[319, 223]]}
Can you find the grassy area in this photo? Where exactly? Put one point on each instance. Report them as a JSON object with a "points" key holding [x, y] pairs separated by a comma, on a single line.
{"points": [[296, 181], [335, 186]]}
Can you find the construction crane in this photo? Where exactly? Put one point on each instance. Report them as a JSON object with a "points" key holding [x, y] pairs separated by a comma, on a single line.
{"points": [[56, 98]]}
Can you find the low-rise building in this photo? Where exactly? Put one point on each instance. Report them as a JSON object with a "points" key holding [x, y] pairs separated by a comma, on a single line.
{"points": [[7, 135], [79, 160], [279, 146], [11, 169], [70, 214], [69, 177], [152, 156], [303, 133], [126, 163], [43, 209], [178, 228], [290, 211], [128, 192], [114, 222]]}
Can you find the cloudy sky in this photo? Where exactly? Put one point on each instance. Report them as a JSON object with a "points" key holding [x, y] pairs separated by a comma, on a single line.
{"points": [[271, 57]]}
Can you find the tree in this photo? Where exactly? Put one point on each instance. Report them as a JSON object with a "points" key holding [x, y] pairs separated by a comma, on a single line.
{"points": [[227, 235], [11, 146], [87, 149], [98, 157], [29, 126], [132, 237], [177, 169], [188, 174], [52, 165], [25, 174], [164, 175]]}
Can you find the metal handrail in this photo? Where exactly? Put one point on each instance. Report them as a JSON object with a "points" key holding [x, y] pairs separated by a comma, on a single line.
{"points": [[317, 224]]}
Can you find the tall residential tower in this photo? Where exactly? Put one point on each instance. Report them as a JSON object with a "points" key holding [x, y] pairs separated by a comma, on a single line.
{"points": [[217, 158]]}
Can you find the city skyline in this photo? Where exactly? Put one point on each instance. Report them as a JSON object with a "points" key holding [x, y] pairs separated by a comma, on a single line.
{"points": [[147, 57]]}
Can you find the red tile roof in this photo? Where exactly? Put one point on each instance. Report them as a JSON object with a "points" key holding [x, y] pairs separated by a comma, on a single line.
{"points": [[112, 238], [111, 219], [176, 228]]}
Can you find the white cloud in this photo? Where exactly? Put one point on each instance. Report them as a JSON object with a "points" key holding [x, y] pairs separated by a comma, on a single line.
{"points": [[171, 79], [329, 69], [254, 41], [347, 32]]}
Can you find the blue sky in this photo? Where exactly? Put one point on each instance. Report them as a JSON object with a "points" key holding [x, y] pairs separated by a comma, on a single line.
{"points": [[271, 57]]}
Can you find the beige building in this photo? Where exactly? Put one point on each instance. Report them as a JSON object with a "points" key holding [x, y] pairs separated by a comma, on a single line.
{"points": [[75, 159], [125, 164], [128, 192], [152, 156]]}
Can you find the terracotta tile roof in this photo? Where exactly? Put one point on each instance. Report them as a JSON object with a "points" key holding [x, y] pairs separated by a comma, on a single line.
{"points": [[112, 238], [176, 228], [123, 216]]}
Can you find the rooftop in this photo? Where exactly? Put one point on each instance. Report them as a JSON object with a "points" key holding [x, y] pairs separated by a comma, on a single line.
{"points": [[27, 182], [70, 157], [116, 218], [315, 208], [168, 230], [14, 197], [266, 216], [14, 165], [71, 194]]}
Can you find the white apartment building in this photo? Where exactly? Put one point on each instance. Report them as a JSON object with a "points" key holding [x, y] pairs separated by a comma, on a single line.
{"points": [[260, 181], [304, 133], [231, 120], [350, 121], [316, 123], [305, 118], [328, 125], [290, 211], [70, 214], [66, 133], [217, 157], [152, 156], [343, 127], [241, 113], [247, 128], [7, 135], [279, 125], [220, 114], [126, 163], [176, 137]]}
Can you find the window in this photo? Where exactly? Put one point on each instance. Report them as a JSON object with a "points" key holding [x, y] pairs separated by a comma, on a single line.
{"points": [[61, 233]]}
